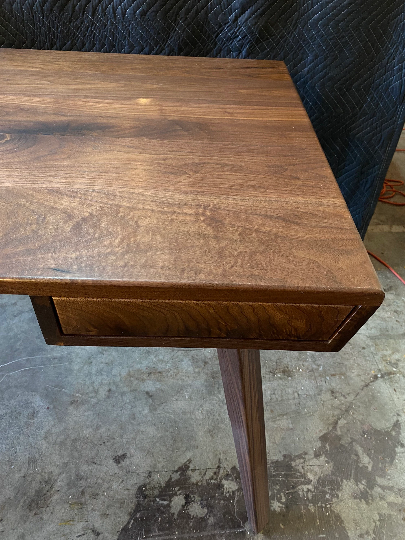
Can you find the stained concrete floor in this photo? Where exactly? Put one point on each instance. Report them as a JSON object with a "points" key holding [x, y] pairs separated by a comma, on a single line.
{"points": [[130, 444]]}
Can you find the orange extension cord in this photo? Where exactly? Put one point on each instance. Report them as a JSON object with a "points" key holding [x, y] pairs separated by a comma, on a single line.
{"points": [[388, 192], [389, 187], [387, 265]]}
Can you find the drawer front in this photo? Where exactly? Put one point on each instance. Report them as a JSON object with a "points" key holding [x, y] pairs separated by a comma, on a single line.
{"points": [[188, 319]]}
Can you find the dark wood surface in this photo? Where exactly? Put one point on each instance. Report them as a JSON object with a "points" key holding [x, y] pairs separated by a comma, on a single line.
{"points": [[192, 193], [53, 334], [241, 377], [171, 318], [180, 178]]}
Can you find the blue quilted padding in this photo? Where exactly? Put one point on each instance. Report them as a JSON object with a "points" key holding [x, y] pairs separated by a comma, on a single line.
{"points": [[346, 58]]}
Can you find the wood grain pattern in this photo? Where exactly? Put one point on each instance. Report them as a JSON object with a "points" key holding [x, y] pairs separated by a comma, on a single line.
{"points": [[191, 192], [241, 377], [171, 318], [49, 322], [126, 176]]}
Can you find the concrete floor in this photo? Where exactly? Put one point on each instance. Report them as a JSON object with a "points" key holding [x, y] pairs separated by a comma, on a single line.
{"points": [[126, 444]]}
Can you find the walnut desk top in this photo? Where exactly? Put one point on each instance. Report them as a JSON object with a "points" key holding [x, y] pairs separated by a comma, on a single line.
{"points": [[191, 195], [186, 202]]}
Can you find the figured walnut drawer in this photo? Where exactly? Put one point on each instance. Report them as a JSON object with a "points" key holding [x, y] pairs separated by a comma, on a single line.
{"points": [[172, 318]]}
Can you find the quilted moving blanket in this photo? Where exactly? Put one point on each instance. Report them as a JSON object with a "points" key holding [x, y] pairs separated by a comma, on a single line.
{"points": [[346, 58]]}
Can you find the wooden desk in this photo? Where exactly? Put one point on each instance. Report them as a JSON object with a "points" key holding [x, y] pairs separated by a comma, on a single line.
{"points": [[181, 202]]}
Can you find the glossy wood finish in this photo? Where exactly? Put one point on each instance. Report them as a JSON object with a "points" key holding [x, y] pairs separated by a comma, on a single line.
{"points": [[185, 178], [241, 377], [174, 318]]}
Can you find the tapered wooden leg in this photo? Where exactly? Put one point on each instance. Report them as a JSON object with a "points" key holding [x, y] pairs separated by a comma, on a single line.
{"points": [[241, 377]]}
